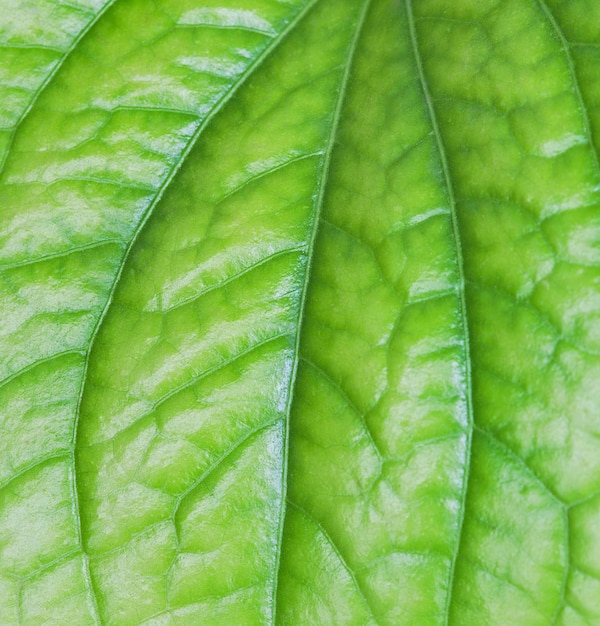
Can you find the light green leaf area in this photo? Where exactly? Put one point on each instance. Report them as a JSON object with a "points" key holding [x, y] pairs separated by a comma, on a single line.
{"points": [[300, 312]]}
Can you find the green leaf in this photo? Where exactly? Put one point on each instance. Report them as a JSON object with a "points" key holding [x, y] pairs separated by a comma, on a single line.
{"points": [[300, 312]]}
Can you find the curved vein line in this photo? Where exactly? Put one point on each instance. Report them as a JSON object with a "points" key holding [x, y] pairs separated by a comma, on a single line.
{"points": [[264, 173], [468, 393], [217, 463], [324, 176], [311, 518], [497, 443], [583, 500], [35, 464], [192, 382], [233, 277], [348, 401], [248, 29], [218, 106], [5, 45], [543, 4], [59, 254], [61, 560], [38, 92], [30, 366]]}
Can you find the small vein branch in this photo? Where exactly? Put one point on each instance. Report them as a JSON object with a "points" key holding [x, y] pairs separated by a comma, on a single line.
{"points": [[50, 78], [543, 4]]}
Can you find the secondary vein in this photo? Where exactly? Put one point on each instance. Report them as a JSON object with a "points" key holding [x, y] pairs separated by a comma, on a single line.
{"points": [[324, 174], [38, 92], [468, 393], [543, 4], [275, 42]]}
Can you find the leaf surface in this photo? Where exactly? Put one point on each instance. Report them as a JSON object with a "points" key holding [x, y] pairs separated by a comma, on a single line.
{"points": [[300, 312]]}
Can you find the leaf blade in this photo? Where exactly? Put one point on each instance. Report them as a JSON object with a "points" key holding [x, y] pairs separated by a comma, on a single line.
{"points": [[314, 225], [517, 346], [178, 365], [354, 465]]}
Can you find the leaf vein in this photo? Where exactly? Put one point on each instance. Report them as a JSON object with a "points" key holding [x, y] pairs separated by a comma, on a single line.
{"points": [[230, 279], [564, 43], [36, 464], [463, 305], [30, 366], [336, 549], [217, 107], [59, 254], [310, 254], [38, 92], [264, 173], [218, 462], [351, 405], [196, 379], [493, 439]]}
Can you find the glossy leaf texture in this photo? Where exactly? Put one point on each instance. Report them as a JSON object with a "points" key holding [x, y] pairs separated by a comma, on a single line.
{"points": [[300, 312]]}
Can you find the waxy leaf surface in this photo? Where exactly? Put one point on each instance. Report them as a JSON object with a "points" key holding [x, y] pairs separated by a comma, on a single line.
{"points": [[300, 312]]}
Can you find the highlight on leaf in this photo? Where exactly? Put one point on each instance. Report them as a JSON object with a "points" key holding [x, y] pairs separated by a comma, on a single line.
{"points": [[300, 312]]}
